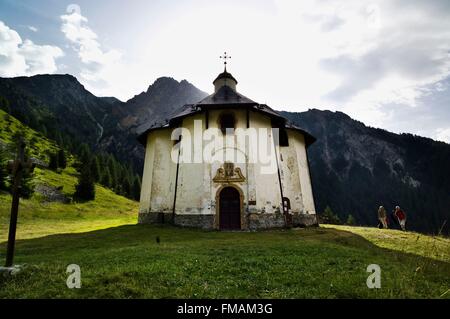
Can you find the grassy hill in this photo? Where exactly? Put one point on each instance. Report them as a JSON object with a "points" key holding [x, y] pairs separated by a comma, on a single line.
{"points": [[40, 217], [38, 145]]}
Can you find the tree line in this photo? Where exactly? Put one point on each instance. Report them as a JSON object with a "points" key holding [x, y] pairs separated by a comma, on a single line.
{"points": [[102, 168]]}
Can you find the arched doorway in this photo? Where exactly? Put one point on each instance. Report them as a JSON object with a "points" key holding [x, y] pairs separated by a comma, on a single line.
{"points": [[229, 209]]}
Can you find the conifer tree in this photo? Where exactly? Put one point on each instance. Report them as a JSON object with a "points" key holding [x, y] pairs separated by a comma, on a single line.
{"points": [[136, 188], [84, 153], [4, 104], [85, 189], [106, 178], [95, 169], [53, 161], [350, 220], [126, 187], [3, 171], [27, 183], [62, 160], [328, 217]]}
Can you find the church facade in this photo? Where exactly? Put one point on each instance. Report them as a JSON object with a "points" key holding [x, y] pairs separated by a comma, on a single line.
{"points": [[227, 163]]}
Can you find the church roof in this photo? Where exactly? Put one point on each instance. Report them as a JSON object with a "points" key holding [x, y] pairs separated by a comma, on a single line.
{"points": [[225, 75], [225, 96], [191, 109]]}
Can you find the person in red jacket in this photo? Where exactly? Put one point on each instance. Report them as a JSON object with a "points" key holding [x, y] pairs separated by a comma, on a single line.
{"points": [[401, 217]]}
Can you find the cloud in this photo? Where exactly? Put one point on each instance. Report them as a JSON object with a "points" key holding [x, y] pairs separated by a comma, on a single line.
{"points": [[98, 64], [407, 51], [18, 57], [32, 28], [443, 134]]}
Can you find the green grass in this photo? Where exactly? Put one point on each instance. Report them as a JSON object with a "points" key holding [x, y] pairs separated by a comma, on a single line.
{"points": [[127, 262], [40, 218], [436, 247], [37, 144]]}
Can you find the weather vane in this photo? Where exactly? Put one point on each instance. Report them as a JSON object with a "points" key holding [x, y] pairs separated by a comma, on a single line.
{"points": [[225, 57]]}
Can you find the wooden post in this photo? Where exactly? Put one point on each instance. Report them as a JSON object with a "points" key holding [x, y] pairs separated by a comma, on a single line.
{"points": [[17, 167]]}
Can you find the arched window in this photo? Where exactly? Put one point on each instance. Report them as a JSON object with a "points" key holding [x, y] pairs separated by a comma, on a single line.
{"points": [[227, 121]]}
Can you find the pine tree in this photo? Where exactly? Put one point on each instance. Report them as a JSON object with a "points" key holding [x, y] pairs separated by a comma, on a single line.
{"points": [[95, 169], [112, 165], [84, 153], [43, 129], [126, 187], [3, 171], [27, 183], [350, 220], [328, 217], [4, 104], [136, 188], [62, 160], [59, 139], [53, 161], [106, 178], [85, 189]]}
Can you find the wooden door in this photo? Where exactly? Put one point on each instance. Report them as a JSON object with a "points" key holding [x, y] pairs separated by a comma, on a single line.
{"points": [[230, 209]]}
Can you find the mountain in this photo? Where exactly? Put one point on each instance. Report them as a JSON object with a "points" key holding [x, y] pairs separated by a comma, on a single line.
{"points": [[61, 108], [57, 104], [354, 168], [153, 106], [160, 100]]}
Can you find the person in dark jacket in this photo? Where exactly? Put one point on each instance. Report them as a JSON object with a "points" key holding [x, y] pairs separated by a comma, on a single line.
{"points": [[401, 217]]}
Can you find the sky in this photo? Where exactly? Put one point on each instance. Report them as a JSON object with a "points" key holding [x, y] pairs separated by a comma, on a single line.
{"points": [[385, 63]]}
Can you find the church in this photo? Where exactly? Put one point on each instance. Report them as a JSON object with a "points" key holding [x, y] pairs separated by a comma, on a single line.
{"points": [[227, 163]]}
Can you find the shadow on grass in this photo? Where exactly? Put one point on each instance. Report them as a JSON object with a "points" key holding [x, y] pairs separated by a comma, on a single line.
{"points": [[166, 235]]}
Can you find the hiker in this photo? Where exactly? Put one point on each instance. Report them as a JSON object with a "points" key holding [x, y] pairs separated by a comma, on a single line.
{"points": [[382, 217], [401, 217]]}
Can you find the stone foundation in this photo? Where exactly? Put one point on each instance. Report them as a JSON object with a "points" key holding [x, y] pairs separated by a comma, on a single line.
{"points": [[253, 221], [304, 220], [155, 218], [265, 221], [195, 221]]}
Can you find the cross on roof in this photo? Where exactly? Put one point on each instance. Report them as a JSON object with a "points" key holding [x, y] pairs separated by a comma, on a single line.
{"points": [[225, 57]]}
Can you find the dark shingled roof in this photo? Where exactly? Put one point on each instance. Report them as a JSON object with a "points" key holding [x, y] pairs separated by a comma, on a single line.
{"points": [[225, 97]]}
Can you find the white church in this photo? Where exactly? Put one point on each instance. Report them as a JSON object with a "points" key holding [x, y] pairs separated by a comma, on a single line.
{"points": [[227, 163]]}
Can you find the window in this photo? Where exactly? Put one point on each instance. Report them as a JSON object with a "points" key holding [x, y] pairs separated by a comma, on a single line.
{"points": [[286, 204], [227, 121], [284, 140]]}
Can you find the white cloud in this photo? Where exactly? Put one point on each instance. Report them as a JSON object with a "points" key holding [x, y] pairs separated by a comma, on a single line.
{"points": [[100, 66], [18, 57], [443, 134], [394, 63], [32, 28]]}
